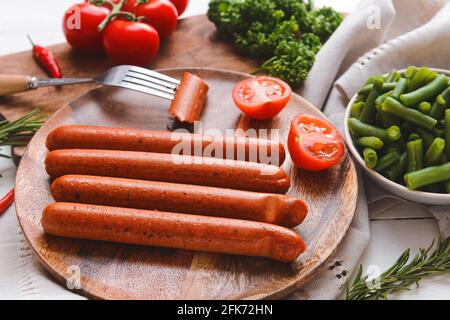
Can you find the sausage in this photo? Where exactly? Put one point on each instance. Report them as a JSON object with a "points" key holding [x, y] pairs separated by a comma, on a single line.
{"points": [[189, 98], [228, 203], [172, 230], [229, 147], [168, 168]]}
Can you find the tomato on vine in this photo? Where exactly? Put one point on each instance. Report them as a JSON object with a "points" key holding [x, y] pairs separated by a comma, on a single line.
{"points": [[80, 25]]}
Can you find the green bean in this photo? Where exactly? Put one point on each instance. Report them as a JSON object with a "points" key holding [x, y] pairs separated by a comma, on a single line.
{"points": [[392, 76], [369, 110], [394, 107], [400, 88], [389, 120], [413, 136], [366, 130], [433, 75], [357, 107], [397, 170], [387, 86], [410, 72], [427, 137], [428, 91], [370, 142], [447, 133], [427, 176], [387, 161], [370, 157], [414, 150], [425, 107], [438, 108], [360, 98], [434, 152], [419, 78]]}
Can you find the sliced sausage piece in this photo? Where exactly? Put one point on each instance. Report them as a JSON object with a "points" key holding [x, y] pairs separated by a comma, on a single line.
{"points": [[225, 147], [189, 98], [172, 230], [168, 168], [228, 203]]}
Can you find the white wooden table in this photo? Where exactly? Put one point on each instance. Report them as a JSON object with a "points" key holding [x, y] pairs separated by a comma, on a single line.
{"points": [[394, 231]]}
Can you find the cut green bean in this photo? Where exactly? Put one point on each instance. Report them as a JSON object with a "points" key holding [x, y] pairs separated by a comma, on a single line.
{"points": [[392, 76], [419, 78], [386, 86], [426, 92], [397, 170], [438, 108], [389, 120], [426, 136], [447, 133], [370, 157], [410, 72], [387, 161], [366, 130], [413, 136], [356, 109], [370, 142], [369, 111], [427, 176], [400, 88], [394, 107], [425, 107], [414, 151], [434, 152]]}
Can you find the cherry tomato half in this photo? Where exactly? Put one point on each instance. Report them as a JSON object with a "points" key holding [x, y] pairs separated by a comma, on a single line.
{"points": [[129, 42], [162, 15], [80, 27], [261, 97], [314, 144], [181, 5]]}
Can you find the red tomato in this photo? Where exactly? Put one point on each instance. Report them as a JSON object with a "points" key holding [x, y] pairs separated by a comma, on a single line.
{"points": [[128, 42], [261, 97], [162, 15], [314, 144], [129, 6], [80, 27], [181, 5]]}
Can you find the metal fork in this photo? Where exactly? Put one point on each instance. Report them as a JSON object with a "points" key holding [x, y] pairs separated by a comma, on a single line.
{"points": [[129, 77]]}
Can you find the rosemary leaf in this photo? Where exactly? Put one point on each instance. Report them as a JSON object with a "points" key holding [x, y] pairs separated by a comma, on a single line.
{"points": [[404, 273]]}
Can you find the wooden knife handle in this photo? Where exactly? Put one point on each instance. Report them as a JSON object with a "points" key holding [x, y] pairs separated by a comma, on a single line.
{"points": [[10, 83]]}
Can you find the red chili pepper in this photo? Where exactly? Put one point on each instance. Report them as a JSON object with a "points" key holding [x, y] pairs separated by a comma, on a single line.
{"points": [[46, 59], [6, 201]]}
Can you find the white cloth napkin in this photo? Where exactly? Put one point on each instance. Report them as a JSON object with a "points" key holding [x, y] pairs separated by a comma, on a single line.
{"points": [[420, 33], [27, 279]]}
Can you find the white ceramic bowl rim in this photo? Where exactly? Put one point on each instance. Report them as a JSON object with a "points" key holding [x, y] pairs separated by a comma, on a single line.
{"points": [[440, 197]]}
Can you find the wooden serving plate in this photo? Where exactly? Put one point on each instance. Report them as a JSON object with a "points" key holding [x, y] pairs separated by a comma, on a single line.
{"points": [[117, 271]]}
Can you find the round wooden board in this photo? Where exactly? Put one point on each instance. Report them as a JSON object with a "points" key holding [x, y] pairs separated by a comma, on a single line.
{"points": [[117, 271]]}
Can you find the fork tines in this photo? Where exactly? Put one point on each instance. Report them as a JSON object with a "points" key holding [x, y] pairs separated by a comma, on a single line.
{"points": [[150, 82]]}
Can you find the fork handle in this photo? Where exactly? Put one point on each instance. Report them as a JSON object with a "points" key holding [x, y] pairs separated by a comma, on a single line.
{"points": [[10, 83]]}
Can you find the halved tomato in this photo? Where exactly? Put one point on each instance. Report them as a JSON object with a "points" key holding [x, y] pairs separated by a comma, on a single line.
{"points": [[314, 144], [261, 97]]}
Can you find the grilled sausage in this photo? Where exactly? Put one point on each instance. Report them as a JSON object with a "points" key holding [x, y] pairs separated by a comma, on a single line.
{"points": [[168, 168], [189, 98], [228, 203], [172, 230], [228, 147]]}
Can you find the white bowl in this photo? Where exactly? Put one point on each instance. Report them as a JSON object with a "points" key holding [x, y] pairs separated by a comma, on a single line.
{"points": [[393, 187]]}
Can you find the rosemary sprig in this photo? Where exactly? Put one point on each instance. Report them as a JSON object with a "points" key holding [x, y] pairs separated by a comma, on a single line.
{"points": [[403, 274], [15, 133]]}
